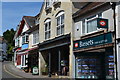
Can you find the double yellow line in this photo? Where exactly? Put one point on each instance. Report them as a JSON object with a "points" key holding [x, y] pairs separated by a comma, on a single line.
{"points": [[4, 67]]}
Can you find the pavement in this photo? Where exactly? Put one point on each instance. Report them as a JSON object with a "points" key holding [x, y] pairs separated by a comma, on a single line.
{"points": [[19, 73]]}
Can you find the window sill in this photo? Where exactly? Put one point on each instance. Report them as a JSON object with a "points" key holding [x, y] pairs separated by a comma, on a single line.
{"points": [[34, 45], [92, 34]]}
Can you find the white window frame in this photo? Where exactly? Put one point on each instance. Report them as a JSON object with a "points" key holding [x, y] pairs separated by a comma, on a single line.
{"points": [[87, 20], [26, 40], [48, 30], [36, 38], [23, 60], [60, 25]]}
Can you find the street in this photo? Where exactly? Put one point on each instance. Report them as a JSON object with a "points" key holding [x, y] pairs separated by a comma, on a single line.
{"points": [[7, 74]]}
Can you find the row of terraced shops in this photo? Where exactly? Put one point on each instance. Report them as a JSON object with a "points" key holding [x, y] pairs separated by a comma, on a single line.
{"points": [[76, 40]]}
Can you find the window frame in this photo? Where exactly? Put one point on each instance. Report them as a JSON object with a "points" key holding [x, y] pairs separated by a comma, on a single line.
{"points": [[36, 38], [47, 29], [86, 20], [61, 23], [26, 36]]}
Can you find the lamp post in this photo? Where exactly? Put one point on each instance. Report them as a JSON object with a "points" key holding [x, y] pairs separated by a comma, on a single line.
{"points": [[113, 5]]}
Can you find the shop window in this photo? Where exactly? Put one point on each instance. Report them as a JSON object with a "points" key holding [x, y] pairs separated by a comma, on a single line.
{"points": [[88, 67], [89, 25], [60, 23], [47, 29], [35, 38], [110, 67]]}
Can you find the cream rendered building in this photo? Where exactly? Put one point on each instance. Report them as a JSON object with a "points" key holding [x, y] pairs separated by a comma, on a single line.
{"points": [[56, 43]]}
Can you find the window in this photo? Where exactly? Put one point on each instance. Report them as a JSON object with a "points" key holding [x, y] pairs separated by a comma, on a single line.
{"points": [[25, 39], [90, 24], [35, 38], [47, 29], [17, 41], [48, 3], [60, 23]]}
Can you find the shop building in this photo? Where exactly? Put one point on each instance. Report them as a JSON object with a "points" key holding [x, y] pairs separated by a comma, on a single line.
{"points": [[56, 41], [93, 45], [3, 48], [21, 42], [33, 51]]}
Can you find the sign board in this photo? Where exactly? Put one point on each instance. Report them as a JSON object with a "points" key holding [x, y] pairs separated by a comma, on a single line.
{"points": [[102, 23], [35, 70], [93, 41]]}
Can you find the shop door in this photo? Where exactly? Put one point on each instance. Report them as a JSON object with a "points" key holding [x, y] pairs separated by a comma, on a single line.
{"points": [[90, 66]]}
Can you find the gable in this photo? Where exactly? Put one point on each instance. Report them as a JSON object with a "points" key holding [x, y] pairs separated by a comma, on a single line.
{"points": [[25, 28]]}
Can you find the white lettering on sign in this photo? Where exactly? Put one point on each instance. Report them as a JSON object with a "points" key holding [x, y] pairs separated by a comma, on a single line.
{"points": [[87, 43]]}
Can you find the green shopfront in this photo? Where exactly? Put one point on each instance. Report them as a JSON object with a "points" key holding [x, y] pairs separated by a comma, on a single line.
{"points": [[94, 57]]}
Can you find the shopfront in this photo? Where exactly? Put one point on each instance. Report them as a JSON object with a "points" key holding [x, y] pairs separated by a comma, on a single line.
{"points": [[94, 58], [55, 53]]}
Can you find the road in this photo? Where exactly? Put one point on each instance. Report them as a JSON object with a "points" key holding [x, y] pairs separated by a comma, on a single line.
{"points": [[7, 74]]}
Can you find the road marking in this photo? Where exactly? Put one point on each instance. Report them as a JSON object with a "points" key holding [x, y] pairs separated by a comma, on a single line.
{"points": [[11, 73]]}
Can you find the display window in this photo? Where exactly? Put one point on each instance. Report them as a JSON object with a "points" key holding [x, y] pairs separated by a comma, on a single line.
{"points": [[88, 67]]}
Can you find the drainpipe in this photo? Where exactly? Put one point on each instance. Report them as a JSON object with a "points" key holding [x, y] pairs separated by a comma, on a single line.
{"points": [[113, 5]]}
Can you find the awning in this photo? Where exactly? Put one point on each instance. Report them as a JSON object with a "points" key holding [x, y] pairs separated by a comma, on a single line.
{"points": [[26, 51]]}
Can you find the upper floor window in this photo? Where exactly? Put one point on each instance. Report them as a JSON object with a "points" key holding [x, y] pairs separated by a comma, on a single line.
{"points": [[90, 24], [47, 28], [50, 2], [17, 41], [24, 39], [60, 23], [35, 38]]}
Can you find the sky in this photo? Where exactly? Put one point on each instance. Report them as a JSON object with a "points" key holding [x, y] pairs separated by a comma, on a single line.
{"points": [[12, 12]]}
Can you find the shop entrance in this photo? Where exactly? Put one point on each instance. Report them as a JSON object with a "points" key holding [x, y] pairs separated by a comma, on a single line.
{"points": [[90, 65]]}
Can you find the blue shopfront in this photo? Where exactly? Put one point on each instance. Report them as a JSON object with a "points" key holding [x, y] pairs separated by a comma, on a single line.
{"points": [[94, 57]]}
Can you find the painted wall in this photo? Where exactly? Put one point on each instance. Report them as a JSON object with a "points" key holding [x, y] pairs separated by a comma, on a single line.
{"points": [[31, 45], [68, 26], [107, 14]]}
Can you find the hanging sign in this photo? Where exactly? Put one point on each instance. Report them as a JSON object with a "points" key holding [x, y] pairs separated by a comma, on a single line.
{"points": [[102, 23]]}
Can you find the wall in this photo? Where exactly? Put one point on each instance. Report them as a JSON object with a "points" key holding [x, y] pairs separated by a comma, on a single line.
{"points": [[31, 39], [66, 6], [106, 13]]}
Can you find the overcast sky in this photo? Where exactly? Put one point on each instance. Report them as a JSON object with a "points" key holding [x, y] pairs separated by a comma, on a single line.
{"points": [[12, 12]]}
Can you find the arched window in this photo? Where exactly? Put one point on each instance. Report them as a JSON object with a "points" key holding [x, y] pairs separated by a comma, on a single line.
{"points": [[60, 23], [47, 28]]}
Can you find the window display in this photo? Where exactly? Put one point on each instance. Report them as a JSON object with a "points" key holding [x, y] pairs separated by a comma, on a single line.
{"points": [[110, 68], [88, 67]]}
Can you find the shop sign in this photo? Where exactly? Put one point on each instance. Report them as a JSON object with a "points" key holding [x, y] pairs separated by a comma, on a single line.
{"points": [[102, 23], [93, 41], [35, 70]]}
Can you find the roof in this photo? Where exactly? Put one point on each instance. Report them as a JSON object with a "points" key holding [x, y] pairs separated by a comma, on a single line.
{"points": [[28, 20], [85, 9]]}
